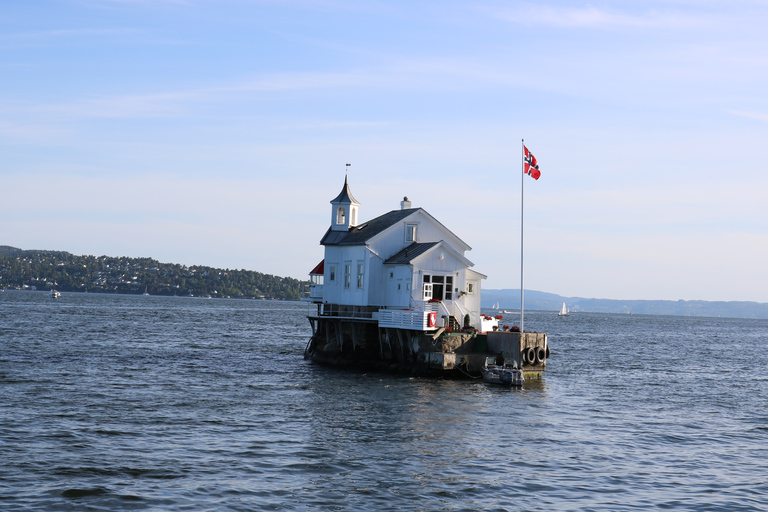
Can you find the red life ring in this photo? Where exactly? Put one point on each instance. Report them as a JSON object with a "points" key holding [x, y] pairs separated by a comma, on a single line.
{"points": [[432, 319]]}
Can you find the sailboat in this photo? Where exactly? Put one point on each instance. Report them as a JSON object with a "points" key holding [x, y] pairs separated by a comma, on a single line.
{"points": [[563, 311]]}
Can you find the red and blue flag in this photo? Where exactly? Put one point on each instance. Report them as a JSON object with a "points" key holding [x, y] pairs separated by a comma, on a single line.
{"points": [[531, 167]]}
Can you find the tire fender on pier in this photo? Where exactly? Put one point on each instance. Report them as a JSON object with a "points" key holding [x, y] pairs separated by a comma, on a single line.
{"points": [[530, 355]]}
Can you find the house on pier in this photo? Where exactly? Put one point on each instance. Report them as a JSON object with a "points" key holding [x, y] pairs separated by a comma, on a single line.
{"points": [[403, 269]]}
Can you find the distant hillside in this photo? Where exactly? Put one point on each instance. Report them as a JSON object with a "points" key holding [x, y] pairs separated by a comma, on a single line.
{"points": [[510, 299], [44, 270]]}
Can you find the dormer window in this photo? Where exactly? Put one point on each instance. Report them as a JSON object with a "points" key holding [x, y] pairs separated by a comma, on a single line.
{"points": [[341, 217], [410, 232]]}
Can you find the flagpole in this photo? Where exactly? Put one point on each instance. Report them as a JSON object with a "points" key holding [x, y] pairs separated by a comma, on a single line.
{"points": [[522, 212]]}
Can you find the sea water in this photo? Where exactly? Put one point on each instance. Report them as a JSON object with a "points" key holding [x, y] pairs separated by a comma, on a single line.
{"points": [[113, 402]]}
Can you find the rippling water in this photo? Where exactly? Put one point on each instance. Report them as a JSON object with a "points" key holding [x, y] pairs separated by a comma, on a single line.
{"points": [[148, 403]]}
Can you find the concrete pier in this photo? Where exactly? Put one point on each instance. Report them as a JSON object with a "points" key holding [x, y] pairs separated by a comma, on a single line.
{"points": [[362, 343]]}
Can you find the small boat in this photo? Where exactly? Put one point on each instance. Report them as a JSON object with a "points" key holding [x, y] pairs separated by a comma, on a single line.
{"points": [[55, 294], [563, 311], [506, 375]]}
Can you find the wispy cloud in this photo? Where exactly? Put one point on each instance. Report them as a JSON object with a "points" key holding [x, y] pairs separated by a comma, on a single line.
{"points": [[593, 17], [760, 116], [405, 75], [179, 2], [62, 33]]}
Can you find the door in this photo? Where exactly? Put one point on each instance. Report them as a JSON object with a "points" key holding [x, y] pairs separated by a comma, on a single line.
{"points": [[427, 291]]}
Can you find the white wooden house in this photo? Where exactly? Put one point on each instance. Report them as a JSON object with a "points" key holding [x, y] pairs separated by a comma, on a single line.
{"points": [[403, 269]]}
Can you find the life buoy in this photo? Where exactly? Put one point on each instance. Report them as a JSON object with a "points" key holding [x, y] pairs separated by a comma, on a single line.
{"points": [[432, 319]]}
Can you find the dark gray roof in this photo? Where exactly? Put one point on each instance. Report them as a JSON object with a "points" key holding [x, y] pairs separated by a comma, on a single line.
{"points": [[345, 196], [359, 235], [410, 253]]}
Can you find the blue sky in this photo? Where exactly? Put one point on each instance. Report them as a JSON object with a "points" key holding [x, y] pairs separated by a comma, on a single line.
{"points": [[217, 132]]}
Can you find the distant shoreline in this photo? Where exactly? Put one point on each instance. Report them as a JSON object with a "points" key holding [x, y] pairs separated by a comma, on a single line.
{"points": [[535, 300], [112, 292]]}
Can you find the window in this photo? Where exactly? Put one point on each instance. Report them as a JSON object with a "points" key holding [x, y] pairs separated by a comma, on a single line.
{"points": [[347, 274], [360, 275], [410, 232], [440, 287], [332, 273], [470, 288], [341, 216]]}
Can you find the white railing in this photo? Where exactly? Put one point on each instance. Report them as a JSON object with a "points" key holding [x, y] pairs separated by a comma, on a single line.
{"points": [[453, 309], [460, 313], [406, 319], [417, 316], [315, 291]]}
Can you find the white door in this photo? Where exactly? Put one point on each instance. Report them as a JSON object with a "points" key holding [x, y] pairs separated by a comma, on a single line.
{"points": [[427, 291]]}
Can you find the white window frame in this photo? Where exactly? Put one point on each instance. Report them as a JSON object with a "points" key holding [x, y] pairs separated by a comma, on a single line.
{"points": [[411, 232]]}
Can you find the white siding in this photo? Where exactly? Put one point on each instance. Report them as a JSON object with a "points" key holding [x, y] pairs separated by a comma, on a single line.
{"points": [[379, 289], [398, 286], [336, 292]]}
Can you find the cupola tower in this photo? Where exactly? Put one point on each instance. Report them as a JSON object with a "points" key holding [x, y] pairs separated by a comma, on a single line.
{"points": [[344, 210]]}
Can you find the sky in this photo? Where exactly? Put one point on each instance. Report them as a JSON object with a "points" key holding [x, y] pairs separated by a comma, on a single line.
{"points": [[216, 133]]}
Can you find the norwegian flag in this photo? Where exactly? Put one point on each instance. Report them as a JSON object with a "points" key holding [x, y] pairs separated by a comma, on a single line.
{"points": [[531, 167]]}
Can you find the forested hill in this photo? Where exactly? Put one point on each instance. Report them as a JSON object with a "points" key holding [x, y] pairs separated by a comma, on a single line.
{"points": [[44, 270]]}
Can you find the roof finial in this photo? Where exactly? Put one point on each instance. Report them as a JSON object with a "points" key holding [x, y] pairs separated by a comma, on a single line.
{"points": [[347, 169]]}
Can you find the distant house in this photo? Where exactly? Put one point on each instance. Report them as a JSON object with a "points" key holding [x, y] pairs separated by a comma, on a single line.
{"points": [[403, 260]]}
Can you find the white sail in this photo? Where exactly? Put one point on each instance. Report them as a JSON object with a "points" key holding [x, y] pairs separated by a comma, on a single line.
{"points": [[563, 311]]}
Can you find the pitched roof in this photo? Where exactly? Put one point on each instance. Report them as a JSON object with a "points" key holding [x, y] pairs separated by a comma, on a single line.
{"points": [[319, 269], [410, 253], [359, 235], [415, 250]]}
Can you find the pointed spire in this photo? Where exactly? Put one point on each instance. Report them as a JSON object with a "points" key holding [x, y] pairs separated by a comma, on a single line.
{"points": [[345, 196]]}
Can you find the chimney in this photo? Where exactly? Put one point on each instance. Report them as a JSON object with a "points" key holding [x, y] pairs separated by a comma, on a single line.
{"points": [[405, 203]]}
